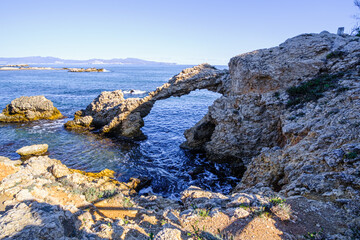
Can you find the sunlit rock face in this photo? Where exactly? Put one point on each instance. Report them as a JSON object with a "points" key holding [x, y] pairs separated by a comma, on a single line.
{"points": [[252, 113], [24, 109], [124, 117]]}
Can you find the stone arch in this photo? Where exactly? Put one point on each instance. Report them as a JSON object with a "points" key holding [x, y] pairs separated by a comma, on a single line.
{"points": [[114, 115]]}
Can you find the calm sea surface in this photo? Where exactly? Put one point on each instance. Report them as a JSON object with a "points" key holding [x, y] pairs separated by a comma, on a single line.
{"points": [[159, 156]]}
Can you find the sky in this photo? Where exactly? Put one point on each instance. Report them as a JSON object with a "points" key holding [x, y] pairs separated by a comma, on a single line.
{"points": [[184, 32]]}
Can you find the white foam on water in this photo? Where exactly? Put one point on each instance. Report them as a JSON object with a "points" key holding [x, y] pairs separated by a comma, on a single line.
{"points": [[134, 92], [146, 190]]}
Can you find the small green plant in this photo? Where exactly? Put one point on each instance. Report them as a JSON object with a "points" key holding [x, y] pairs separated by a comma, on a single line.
{"points": [[109, 224], [335, 54], [260, 211], [127, 202], [282, 211], [351, 155], [277, 95], [163, 222], [315, 235], [126, 221], [245, 207], [277, 201], [194, 207], [312, 90], [197, 233], [151, 236], [203, 213], [90, 194]]}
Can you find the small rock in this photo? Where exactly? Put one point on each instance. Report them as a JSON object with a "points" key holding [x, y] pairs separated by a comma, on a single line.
{"points": [[38, 149], [168, 234], [23, 195]]}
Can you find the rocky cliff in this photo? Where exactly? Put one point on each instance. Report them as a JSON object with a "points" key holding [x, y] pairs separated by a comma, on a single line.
{"points": [[289, 115]]}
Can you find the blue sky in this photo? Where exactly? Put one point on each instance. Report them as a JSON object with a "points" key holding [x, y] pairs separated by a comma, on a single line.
{"points": [[188, 32]]}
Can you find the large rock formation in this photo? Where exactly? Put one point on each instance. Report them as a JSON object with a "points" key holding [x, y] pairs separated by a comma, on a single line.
{"points": [[289, 114], [33, 108], [250, 115], [113, 114]]}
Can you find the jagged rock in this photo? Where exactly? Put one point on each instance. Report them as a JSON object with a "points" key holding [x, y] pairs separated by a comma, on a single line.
{"points": [[80, 122], [48, 200], [33, 220], [124, 117], [33, 108], [33, 150], [237, 128], [251, 113], [168, 234]]}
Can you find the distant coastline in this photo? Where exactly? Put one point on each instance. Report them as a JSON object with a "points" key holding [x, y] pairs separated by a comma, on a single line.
{"points": [[26, 67], [96, 61]]}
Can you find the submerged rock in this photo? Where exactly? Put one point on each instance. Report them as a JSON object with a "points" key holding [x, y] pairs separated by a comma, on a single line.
{"points": [[33, 150], [32, 108]]}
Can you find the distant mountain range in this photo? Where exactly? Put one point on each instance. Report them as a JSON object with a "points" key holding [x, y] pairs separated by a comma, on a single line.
{"points": [[54, 60]]}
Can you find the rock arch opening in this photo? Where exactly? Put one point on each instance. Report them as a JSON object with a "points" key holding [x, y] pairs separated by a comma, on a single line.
{"points": [[112, 114]]}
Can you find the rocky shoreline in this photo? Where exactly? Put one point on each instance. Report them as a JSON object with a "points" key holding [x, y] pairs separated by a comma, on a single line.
{"points": [[42, 198], [288, 119]]}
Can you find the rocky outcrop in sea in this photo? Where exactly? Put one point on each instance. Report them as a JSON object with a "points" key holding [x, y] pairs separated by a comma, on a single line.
{"points": [[32, 108], [113, 114]]}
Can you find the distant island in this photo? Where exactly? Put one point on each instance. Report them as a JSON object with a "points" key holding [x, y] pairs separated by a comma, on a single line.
{"points": [[54, 60]]}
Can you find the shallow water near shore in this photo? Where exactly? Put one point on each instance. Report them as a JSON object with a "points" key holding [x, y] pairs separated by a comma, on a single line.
{"points": [[158, 157]]}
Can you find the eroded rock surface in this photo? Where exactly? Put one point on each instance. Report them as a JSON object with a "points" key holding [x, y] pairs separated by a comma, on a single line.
{"points": [[33, 150], [124, 117], [252, 113], [42, 198], [33, 108]]}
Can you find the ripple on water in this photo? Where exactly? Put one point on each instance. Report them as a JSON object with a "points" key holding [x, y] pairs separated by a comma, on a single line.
{"points": [[159, 157]]}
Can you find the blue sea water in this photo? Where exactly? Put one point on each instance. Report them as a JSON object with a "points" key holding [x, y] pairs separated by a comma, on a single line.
{"points": [[159, 157]]}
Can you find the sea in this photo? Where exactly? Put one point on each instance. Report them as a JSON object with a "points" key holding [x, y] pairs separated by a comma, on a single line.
{"points": [[158, 157]]}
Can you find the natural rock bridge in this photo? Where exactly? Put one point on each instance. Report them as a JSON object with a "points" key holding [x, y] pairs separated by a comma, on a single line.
{"points": [[113, 114]]}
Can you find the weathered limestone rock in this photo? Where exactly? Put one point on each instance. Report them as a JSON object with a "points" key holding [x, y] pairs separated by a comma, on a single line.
{"points": [[34, 220], [33, 108], [168, 234], [252, 113], [33, 150], [124, 117], [45, 199], [237, 127], [8, 167]]}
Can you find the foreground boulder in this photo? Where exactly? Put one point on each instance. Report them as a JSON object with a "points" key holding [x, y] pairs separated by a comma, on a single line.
{"points": [[32, 108], [33, 150]]}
